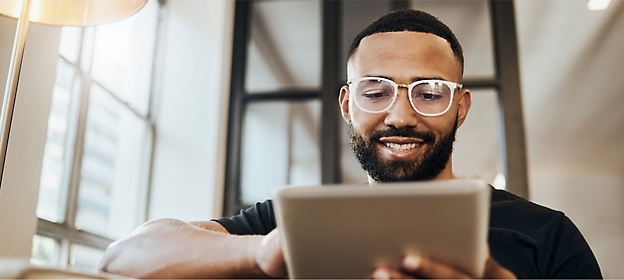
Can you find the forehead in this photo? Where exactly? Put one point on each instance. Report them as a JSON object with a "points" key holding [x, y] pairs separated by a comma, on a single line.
{"points": [[404, 56]]}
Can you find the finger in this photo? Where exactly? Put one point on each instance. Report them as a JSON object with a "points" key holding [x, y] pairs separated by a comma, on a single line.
{"points": [[427, 268], [493, 270], [388, 273]]}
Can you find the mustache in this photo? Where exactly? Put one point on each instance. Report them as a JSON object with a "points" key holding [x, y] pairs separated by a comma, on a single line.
{"points": [[426, 136]]}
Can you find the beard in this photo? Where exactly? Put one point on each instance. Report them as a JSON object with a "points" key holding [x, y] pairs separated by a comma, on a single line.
{"points": [[427, 167]]}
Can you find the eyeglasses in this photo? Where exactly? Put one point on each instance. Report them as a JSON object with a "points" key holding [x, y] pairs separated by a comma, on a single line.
{"points": [[428, 97]]}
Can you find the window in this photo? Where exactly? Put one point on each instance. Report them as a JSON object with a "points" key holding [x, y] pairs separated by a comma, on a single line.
{"points": [[97, 156], [289, 61], [283, 129], [283, 108]]}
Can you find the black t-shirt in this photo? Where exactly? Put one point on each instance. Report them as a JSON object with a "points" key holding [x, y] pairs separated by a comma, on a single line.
{"points": [[530, 240]]}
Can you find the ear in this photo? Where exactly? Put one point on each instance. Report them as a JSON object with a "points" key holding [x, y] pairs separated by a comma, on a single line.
{"points": [[463, 106], [343, 99]]}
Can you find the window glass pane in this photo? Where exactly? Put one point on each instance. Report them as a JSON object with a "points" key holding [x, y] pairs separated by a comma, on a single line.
{"points": [[85, 258], [122, 56], [356, 16], [45, 251], [69, 46], [111, 199], [470, 21], [281, 146], [477, 152], [57, 156], [284, 50]]}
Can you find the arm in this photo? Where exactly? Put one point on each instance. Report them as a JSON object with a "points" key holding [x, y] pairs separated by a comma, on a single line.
{"points": [[174, 249]]}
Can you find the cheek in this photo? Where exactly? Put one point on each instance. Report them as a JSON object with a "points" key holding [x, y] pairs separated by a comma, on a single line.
{"points": [[365, 123], [442, 125]]}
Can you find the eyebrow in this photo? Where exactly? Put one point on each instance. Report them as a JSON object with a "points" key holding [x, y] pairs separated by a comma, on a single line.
{"points": [[414, 79]]}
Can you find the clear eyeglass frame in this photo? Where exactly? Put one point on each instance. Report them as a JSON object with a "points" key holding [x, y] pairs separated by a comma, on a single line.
{"points": [[453, 86]]}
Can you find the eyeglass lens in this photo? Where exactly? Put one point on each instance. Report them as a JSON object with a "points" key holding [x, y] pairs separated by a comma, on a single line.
{"points": [[377, 95]]}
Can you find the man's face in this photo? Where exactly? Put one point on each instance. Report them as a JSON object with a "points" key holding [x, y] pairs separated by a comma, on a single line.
{"points": [[400, 144]]}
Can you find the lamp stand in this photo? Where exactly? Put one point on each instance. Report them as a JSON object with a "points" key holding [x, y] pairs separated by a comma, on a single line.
{"points": [[12, 82]]}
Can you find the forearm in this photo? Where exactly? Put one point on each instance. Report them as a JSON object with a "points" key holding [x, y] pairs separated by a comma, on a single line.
{"points": [[174, 249]]}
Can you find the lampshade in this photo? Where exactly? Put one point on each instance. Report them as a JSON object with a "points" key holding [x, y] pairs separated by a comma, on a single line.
{"points": [[73, 12]]}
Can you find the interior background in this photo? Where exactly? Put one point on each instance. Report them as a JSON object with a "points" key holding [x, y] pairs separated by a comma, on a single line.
{"points": [[571, 72]]}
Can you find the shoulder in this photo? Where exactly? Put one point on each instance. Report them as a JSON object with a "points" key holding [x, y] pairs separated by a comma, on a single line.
{"points": [[514, 212], [257, 219], [535, 224], [537, 240]]}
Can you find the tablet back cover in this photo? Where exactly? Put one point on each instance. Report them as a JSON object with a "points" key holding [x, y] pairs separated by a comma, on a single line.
{"points": [[346, 231]]}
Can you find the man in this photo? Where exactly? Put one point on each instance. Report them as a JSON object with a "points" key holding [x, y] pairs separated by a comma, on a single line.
{"points": [[403, 102]]}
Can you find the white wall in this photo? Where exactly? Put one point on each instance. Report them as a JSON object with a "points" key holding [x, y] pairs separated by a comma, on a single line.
{"points": [[20, 185], [191, 111], [571, 68], [594, 203]]}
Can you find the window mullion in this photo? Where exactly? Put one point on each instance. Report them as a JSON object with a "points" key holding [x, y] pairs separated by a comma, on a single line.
{"points": [[83, 110], [121, 101], [297, 95], [232, 191], [330, 160], [510, 96], [64, 251], [91, 240], [481, 84], [52, 230], [153, 102]]}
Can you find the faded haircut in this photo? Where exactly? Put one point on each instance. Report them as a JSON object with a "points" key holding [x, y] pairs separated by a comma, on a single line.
{"points": [[411, 20]]}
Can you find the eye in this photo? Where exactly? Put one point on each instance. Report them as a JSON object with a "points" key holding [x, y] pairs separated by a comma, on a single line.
{"points": [[375, 94], [428, 96]]}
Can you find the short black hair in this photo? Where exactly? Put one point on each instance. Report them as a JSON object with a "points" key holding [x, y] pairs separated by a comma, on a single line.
{"points": [[410, 20]]}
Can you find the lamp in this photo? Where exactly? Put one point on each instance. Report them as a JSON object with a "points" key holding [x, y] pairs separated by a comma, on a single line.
{"points": [[50, 12]]}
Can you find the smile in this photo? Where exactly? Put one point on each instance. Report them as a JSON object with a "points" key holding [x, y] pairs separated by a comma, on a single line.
{"points": [[401, 147]]}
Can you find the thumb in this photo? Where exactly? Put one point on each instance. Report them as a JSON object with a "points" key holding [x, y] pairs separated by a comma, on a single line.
{"points": [[493, 270], [270, 257]]}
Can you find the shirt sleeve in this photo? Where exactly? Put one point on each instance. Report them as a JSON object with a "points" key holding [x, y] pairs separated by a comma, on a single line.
{"points": [[257, 219], [571, 256]]}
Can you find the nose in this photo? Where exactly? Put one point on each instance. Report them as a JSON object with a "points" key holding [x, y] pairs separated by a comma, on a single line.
{"points": [[401, 114]]}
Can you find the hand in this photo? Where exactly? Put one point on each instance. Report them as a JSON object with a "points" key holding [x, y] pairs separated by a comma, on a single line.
{"points": [[414, 266], [269, 256]]}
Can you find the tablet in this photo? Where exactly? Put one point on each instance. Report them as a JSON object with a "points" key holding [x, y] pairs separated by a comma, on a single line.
{"points": [[346, 231]]}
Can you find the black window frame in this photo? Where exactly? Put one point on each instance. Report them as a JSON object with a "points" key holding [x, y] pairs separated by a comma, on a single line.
{"points": [[506, 82]]}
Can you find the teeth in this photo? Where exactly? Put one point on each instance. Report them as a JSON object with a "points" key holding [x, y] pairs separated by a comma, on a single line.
{"points": [[402, 147]]}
